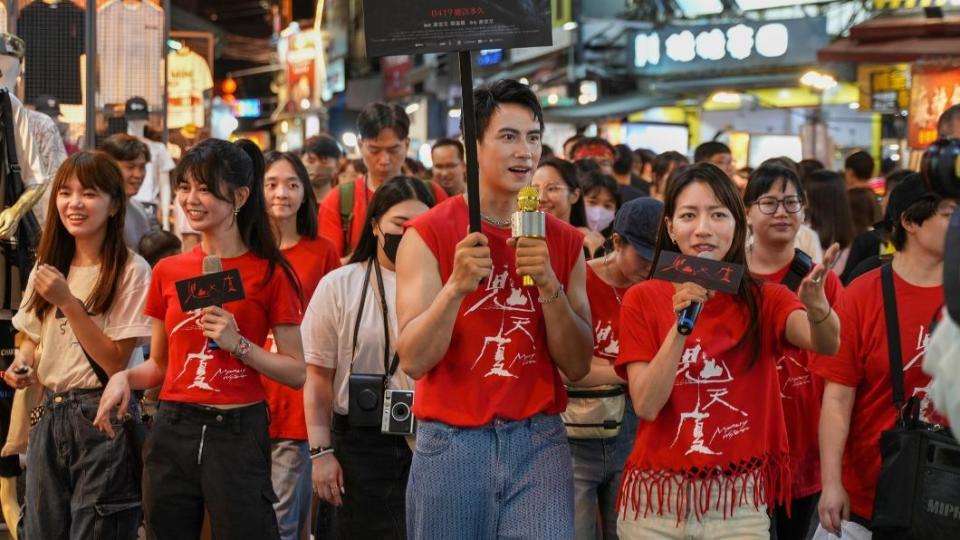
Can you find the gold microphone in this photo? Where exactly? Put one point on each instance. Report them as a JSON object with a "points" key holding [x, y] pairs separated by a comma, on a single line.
{"points": [[528, 221]]}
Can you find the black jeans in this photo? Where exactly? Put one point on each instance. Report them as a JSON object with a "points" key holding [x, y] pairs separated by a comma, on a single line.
{"points": [[800, 525], [197, 457], [80, 483], [375, 471]]}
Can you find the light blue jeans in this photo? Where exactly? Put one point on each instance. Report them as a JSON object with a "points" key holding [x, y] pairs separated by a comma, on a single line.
{"points": [[290, 474], [505, 480], [597, 468]]}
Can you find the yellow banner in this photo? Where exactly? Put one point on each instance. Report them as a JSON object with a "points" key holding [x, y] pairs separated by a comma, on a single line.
{"points": [[913, 4], [562, 11]]}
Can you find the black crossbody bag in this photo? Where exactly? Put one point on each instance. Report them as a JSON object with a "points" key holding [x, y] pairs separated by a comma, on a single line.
{"points": [[918, 490]]}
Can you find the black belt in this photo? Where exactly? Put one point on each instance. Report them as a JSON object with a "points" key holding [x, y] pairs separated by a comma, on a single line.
{"points": [[341, 423]]}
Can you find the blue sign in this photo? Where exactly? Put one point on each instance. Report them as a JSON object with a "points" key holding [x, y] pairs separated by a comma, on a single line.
{"points": [[246, 108], [490, 57]]}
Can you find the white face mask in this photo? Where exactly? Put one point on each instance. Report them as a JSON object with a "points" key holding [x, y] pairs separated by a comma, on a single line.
{"points": [[599, 217]]}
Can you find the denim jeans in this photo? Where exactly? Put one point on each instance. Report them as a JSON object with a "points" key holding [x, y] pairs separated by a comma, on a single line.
{"points": [[198, 457], [505, 480], [80, 482], [597, 468], [291, 481]]}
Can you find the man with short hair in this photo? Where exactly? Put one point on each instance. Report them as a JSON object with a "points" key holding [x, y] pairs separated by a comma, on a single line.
{"points": [[492, 457], [131, 155], [716, 153], [948, 126], [858, 169], [321, 156], [384, 141], [449, 166]]}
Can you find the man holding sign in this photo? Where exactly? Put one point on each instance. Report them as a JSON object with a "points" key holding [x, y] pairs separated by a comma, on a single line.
{"points": [[492, 458]]}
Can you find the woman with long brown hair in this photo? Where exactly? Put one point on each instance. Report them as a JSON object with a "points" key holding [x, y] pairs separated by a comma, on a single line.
{"points": [[712, 452], [81, 319]]}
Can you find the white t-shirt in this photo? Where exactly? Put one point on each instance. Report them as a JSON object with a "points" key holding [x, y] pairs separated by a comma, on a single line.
{"points": [[188, 77], [66, 366], [129, 47], [809, 241], [152, 189], [942, 363], [327, 329], [52, 153]]}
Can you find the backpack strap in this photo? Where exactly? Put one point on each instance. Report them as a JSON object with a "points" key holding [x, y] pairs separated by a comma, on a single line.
{"points": [[800, 266], [893, 334], [347, 192]]}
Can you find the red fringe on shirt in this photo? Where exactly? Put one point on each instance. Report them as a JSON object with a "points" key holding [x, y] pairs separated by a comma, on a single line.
{"points": [[666, 490]]}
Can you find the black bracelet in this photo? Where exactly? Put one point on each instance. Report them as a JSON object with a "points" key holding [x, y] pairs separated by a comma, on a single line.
{"points": [[825, 317]]}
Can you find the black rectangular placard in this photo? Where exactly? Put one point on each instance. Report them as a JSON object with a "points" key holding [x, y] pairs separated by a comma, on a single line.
{"points": [[709, 274], [433, 26], [210, 290]]}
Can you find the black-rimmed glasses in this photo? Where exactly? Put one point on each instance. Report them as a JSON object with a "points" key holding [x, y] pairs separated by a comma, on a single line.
{"points": [[769, 205]]}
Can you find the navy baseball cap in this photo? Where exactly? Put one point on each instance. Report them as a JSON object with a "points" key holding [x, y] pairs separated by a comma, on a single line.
{"points": [[638, 221], [136, 109]]}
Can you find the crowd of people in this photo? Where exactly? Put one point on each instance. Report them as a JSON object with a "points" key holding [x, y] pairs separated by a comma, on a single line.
{"points": [[571, 406]]}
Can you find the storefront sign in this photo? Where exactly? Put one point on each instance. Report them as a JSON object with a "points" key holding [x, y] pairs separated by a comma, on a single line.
{"points": [[884, 87], [744, 45], [430, 26], [246, 108], [299, 52], [933, 91], [889, 5]]}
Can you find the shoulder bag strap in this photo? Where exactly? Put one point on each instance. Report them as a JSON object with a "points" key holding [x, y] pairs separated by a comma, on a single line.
{"points": [[951, 268], [893, 334], [97, 370], [347, 195], [363, 302], [388, 368]]}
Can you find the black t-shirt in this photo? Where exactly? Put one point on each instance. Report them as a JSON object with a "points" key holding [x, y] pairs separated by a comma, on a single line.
{"points": [[55, 37], [864, 247]]}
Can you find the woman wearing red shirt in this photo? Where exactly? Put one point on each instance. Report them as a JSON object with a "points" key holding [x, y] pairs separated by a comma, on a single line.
{"points": [[292, 209], [209, 446], [774, 198], [858, 396], [712, 450]]}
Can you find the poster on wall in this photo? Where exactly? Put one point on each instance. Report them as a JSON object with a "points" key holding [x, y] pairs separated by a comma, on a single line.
{"points": [[433, 26], [299, 54], [933, 90]]}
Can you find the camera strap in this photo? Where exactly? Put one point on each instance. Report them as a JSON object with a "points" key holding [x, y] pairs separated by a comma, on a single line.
{"points": [[389, 368], [893, 334]]}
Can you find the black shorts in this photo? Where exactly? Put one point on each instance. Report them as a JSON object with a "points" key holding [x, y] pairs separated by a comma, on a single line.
{"points": [[10, 465]]}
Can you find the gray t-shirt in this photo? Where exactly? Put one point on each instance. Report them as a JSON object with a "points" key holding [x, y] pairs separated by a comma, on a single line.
{"points": [[135, 225]]}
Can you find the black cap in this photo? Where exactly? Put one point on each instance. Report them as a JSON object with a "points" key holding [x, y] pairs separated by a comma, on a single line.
{"points": [[136, 109], [48, 105], [910, 190], [638, 221]]}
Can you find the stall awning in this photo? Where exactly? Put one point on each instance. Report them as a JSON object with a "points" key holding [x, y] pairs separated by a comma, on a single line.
{"points": [[896, 39]]}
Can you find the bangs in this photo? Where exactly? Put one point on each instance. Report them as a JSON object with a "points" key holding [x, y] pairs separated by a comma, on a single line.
{"points": [[202, 166], [94, 170]]}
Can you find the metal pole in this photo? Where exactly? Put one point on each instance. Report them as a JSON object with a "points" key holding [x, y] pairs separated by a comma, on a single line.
{"points": [[90, 129], [468, 118]]}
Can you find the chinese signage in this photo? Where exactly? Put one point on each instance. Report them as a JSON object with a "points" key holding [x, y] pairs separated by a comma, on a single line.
{"points": [[430, 26], [883, 87], [394, 70], [933, 91], [912, 4], [748, 44], [299, 52]]}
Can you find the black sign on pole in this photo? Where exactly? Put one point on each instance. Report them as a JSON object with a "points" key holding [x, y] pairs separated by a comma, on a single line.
{"points": [[439, 26]]}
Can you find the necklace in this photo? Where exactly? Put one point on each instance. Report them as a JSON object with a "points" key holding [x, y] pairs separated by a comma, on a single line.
{"points": [[495, 222], [606, 262]]}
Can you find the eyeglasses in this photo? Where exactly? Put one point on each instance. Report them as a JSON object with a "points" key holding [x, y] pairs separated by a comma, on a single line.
{"points": [[769, 205], [554, 189]]}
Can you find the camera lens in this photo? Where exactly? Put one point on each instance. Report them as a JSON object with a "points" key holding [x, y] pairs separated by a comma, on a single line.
{"points": [[367, 400], [400, 412]]}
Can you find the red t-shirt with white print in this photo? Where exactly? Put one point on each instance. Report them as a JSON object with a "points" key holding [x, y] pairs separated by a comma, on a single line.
{"points": [[311, 260], [605, 303], [196, 374], [722, 425], [864, 364], [801, 392], [497, 365]]}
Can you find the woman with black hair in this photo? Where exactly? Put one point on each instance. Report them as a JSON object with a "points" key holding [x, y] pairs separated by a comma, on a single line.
{"points": [[556, 180], [775, 199], [828, 212], [292, 210], [209, 446], [663, 167], [601, 199], [81, 319], [350, 328], [712, 452]]}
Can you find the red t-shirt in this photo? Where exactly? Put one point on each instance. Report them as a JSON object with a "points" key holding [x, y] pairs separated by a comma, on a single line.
{"points": [[498, 365], [723, 423], [605, 303], [196, 374], [801, 393], [331, 226], [864, 364], [311, 260]]}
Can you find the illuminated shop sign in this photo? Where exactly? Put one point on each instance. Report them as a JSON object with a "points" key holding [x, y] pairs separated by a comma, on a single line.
{"points": [[747, 44]]}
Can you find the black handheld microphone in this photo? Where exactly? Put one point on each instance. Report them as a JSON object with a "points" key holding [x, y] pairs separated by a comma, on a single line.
{"points": [[212, 265], [688, 316]]}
